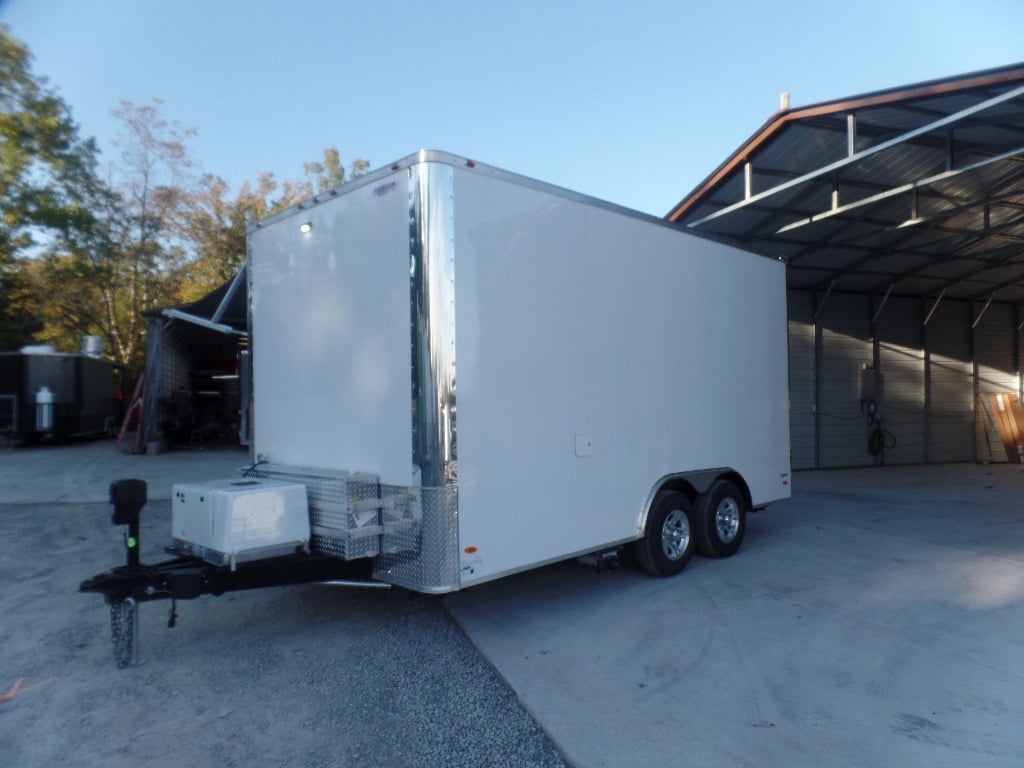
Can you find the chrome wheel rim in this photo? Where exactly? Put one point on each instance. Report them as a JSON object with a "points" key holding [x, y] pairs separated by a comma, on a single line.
{"points": [[727, 520], [675, 534]]}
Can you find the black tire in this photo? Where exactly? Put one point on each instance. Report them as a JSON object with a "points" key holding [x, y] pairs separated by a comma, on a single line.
{"points": [[721, 519], [668, 540]]}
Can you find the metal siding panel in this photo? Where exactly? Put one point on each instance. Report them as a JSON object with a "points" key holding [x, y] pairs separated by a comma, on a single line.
{"points": [[902, 362], [845, 347], [950, 420], [1018, 347], [802, 430], [995, 357], [994, 350]]}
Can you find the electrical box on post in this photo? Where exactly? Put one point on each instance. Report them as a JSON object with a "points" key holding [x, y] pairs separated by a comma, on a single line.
{"points": [[870, 384]]}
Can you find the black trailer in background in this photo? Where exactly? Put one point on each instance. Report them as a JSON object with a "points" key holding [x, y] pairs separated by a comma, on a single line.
{"points": [[46, 394]]}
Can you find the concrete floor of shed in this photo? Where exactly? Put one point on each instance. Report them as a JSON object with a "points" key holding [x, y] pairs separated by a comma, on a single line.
{"points": [[876, 619]]}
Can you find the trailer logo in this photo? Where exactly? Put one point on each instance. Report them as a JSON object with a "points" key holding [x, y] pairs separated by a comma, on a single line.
{"points": [[383, 189]]}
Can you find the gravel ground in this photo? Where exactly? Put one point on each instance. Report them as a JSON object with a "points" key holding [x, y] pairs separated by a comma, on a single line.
{"points": [[297, 676]]}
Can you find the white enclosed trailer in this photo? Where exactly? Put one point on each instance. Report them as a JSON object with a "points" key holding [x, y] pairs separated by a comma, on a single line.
{"points": [[473, 373]]}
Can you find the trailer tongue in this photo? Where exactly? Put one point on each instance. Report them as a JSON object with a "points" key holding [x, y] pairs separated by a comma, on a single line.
{"points": [[189, 576]]}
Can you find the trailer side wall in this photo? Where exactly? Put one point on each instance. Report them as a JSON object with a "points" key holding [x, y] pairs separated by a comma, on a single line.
{"points": [[597, 353]]}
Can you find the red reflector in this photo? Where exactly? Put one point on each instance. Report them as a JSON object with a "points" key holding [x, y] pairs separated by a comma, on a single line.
{"points": [[469, 550]]}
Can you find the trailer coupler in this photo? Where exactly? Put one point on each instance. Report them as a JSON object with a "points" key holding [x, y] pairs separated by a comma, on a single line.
{"points": [[187, 577]]}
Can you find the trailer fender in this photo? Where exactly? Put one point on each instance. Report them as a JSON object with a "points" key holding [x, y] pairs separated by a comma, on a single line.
{"points": [[692, 483]]}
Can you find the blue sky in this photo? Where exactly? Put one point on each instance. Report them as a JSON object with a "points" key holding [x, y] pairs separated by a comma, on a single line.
{"points": [[633, 102]]}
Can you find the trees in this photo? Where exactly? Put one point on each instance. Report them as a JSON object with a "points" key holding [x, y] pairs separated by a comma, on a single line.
{"points": [[323, 175], [88, 251], [45, 175], [214, 226], [101, 277], [215, 223]]}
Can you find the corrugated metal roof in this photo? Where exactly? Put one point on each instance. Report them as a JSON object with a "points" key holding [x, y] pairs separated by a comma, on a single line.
{"points": [[918, 190]]}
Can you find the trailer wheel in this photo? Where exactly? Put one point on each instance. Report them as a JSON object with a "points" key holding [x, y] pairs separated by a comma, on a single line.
{"points": [[721, 519], [667, 543]]}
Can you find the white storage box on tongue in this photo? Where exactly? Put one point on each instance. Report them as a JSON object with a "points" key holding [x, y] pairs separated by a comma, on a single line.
{"points": [[230, 521]]}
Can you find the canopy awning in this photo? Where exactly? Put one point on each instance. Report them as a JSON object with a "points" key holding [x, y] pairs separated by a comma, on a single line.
{"points": [[915, 191]]}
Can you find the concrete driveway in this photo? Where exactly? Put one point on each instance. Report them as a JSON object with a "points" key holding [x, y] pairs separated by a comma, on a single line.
{"points": [[877, 619], [78, 472], [310, 676]]}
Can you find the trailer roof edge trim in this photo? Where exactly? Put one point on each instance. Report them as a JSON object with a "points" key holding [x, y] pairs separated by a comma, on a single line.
{"points": [[447, 158]]}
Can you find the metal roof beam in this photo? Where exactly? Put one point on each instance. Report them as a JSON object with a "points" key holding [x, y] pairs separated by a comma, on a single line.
{"points": [[938, 300], [895, 248], [857, 268], [1010, 261], [1000, 287], [885, 299], [177, 314], [824, 301], [236, 282], [866, 128], [998, 195], [870, 151], [983, 310], [909, 187]]}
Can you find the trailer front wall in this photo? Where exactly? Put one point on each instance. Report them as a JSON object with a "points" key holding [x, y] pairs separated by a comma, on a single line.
{"points": [[330, 334], [599, 352]]}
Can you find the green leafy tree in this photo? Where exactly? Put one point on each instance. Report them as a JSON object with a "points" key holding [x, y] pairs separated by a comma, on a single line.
{"points": [[19, 322], [216, 223], [46, 177], [102, 275], [83, 254], [329, 172]]}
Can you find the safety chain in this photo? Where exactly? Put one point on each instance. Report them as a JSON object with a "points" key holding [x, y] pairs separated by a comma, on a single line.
{"points": [[124, 631]]}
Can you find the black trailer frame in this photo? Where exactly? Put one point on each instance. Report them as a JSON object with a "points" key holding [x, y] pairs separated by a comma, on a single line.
{"points": [[186, 577]]}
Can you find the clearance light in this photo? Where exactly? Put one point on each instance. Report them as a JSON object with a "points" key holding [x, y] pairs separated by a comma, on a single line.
{"points": [[306, 227]]}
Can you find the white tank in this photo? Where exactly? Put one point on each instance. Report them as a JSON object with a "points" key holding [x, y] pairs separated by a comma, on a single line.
{"points": [[44, 410]]}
